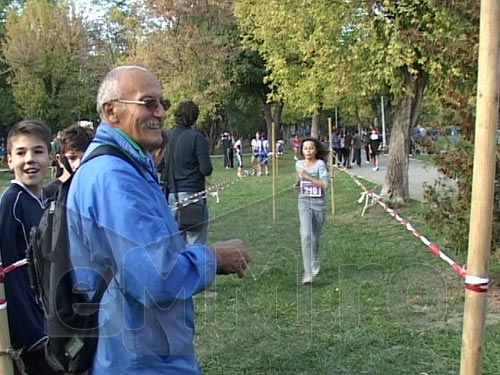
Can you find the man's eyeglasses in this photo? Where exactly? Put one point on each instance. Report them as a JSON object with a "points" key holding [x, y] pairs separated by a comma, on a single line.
{"points": [[150, 103]]}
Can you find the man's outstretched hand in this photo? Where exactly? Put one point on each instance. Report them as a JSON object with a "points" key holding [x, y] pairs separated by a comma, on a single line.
{"points": [[232, 257]]}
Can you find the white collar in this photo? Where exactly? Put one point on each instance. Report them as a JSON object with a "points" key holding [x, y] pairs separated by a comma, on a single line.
{"points": [[40, 199]]}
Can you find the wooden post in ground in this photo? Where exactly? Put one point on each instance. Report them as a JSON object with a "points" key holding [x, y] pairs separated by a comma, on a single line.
{"points": [[330, 161], [482, 189], [273, 160], [277, 162], [6, 365]]}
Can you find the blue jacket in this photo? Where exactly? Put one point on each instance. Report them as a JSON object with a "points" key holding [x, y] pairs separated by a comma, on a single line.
{"points": [[120, 219]]}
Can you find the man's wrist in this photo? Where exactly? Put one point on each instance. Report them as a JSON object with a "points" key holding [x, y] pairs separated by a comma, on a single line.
{"points": [[218, 259]]}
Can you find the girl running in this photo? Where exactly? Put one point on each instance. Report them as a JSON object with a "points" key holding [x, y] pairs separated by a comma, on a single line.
{"points": [[312, 184]]}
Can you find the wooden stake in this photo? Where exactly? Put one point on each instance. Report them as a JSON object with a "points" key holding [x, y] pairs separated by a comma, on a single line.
{"points": [[330, 161], [273, 159], [277, 163], [6, 365], [483, 179]]}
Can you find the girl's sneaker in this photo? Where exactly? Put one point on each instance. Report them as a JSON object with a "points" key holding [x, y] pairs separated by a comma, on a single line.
{"points": [[315, 270], [307, 280]]}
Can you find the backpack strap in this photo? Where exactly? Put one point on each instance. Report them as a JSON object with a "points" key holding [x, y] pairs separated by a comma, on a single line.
{"points": [[103, 285], [64, 160], [106, 149]]}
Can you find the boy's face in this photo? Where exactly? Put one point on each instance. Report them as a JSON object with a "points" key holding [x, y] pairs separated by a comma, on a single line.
{"points": [[74, 159], [29, 159]]}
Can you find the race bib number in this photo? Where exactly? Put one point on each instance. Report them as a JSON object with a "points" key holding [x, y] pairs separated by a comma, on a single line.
{"points": [[308, 189]]}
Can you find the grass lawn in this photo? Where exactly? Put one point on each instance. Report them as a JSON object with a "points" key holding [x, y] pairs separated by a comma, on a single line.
{"points": [[5, 177], [426, 158], [382, 304], [444, 142]]}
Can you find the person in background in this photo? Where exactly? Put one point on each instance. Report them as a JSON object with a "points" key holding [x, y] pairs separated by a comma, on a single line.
{"points": [[21, 208], [366, 145], [280, 146], [263, 155], [238, 150], [374, 148], [158, 153], [227, 146], [337, 146], [55, 169], [255, 152], [119, 220], [188, 165], [230, 152], [3, 151], [356, 148], [73, 142], [296, 147], [346, 148]]}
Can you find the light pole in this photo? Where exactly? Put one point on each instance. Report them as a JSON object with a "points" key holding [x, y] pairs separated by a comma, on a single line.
{"points": [[384, 143]]}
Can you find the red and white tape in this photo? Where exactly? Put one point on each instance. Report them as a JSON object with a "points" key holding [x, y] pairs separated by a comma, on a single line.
{"points": [[366, 194], [6, 270], [476, 284], [214, 189]]}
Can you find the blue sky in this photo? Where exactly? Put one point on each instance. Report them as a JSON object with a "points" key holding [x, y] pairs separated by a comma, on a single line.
{"points": [[88, 9]]}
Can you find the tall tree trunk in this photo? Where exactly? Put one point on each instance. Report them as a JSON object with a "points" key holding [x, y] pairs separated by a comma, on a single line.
{"points": [[316, 122], [374, 104], [212, 134], [271, 117], [268, 114], [396, 188]]}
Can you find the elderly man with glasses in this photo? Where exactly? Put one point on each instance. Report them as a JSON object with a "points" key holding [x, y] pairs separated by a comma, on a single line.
{"points": [[118, 220]]}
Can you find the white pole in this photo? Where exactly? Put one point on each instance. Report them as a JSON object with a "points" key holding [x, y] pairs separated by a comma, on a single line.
{"points": [[384, 144], [336, 124]]}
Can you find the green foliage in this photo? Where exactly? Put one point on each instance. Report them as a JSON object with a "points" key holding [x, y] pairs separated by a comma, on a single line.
{"points": [[5, 6], [192, 50], [8, 112], [8, 109], [46, 48], [300, 53], [345, 54], [428, 145], [242, 117], [382, 303], [449, 208], [450, 211]]}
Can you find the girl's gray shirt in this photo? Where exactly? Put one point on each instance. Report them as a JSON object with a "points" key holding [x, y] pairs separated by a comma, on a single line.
{"points": [[320, 172]]}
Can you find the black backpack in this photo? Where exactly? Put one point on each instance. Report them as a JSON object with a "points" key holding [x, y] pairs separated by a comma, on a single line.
{"points": [[71, 319]]}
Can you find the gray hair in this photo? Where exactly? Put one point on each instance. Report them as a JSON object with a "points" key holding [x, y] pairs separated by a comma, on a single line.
{"points": [[109, 89]]}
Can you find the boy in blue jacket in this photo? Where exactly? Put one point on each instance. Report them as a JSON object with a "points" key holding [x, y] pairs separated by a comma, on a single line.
{"points": [[21, 207]]}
